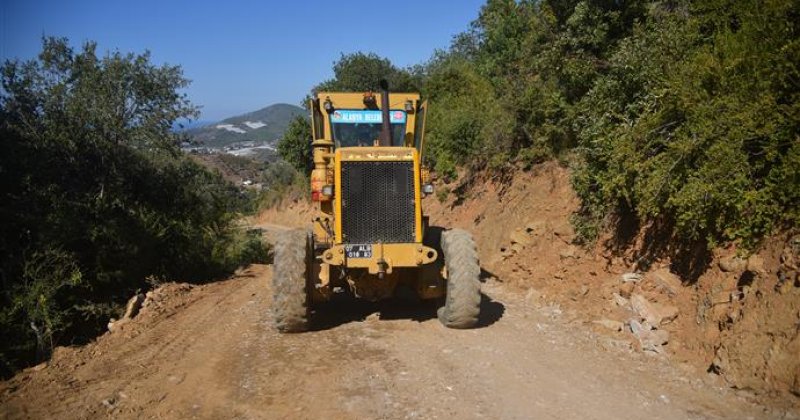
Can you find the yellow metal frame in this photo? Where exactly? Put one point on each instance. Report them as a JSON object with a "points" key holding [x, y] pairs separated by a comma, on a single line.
{"points": [[356, 101], [385, 257], [391, 255]]}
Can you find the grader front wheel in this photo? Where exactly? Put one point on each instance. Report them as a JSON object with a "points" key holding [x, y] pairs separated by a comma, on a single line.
{"points": [[290, 270], [462, 304]]}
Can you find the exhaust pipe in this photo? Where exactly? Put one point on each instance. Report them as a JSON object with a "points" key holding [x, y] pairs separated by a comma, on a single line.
{"points": [[386, 127]]}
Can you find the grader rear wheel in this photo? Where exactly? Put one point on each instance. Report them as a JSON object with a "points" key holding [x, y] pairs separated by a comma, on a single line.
{"points": [[289, 282], [462, 304]]}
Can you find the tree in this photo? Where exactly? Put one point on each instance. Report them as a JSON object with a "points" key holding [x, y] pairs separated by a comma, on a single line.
{"points": [[695, 124], [295, 146], [360, 72], [95, 195]]}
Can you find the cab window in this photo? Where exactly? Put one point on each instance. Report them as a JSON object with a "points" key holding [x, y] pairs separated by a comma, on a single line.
{"points": [[359, 128]]}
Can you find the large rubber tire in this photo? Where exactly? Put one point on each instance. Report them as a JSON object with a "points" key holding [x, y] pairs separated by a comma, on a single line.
{"points": [[290, 270], [463, 302]]}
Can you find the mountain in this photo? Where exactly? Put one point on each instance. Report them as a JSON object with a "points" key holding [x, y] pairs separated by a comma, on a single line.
{"points": [[183, 124], [265, 125]]}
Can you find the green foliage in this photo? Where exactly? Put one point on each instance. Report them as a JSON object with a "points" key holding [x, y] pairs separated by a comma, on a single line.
{"points": [[361, 72], [465, 122], [295, 146], [442, 194], [508, 88], [235, 247], [96, 196], [45, 274], [282, 181], [681, 112], [278, 174], [245, 167], [696, 120]]}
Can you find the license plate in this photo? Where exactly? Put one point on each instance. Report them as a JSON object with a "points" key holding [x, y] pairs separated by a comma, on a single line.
{"points": [[358, 251]]}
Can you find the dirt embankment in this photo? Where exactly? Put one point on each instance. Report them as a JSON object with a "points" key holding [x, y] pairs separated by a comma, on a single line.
{"points": [[554, 339], [734, 317], [292, 213], [738, 318]]}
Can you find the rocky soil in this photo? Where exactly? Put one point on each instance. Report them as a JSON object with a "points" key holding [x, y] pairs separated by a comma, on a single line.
{"points": [[210, 352], [735, 317], [566, 332]]}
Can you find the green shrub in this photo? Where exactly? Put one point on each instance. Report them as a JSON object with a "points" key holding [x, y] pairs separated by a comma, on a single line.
{"points": [[295, 146], [695, 122], [465, 124], [282, 181], [96, 197], [442, 194]]}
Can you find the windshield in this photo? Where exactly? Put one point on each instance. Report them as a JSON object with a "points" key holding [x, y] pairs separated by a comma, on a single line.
{"points": [[353, 128]]}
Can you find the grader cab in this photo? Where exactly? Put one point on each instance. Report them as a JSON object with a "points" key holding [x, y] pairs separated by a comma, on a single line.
{"points": [[370, 235]]}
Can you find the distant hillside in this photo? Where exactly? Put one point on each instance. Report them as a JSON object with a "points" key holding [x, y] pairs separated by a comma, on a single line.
{"points": [[265, 125], [187, 124]]}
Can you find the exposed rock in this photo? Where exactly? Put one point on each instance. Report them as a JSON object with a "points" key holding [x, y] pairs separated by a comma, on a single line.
{"points": [[755, 264], [39, 367], [570, 252], [631, 278], [610, 324], [521, 237], [665, 280], [575, 294], [610, 344], [719, 364], [133, 306], [131, 310], [783, 286], [654, 313], [650, 339], [721, 297], [788, 258], [668, 313], [564, 231], [625, 289], [732, 264], [533, 296], [506, 252], [177, 379], [620, 301], [109, 403]]}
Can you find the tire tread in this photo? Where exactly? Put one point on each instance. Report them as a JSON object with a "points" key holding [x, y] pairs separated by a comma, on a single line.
{"points": [[462, 304], [290, 298]]}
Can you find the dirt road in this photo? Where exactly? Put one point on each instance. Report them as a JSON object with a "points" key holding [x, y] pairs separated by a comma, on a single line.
{"points": [[210, 352]]}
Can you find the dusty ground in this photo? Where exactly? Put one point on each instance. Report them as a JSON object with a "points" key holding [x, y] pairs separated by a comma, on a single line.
{"points": [[210, 352], [735, 317]]}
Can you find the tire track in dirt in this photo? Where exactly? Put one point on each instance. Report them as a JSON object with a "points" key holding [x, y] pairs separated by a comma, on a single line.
{"points": [[218, 356]]}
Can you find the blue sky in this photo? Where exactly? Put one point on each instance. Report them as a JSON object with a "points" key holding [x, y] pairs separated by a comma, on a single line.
{"points": [[241, 56]]}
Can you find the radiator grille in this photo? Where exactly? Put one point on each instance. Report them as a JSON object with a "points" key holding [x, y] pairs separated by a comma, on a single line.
{"points": [[377, 202]]}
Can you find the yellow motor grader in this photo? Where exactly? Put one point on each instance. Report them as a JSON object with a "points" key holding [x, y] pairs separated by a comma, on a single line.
{"points": [[370, 235]]}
